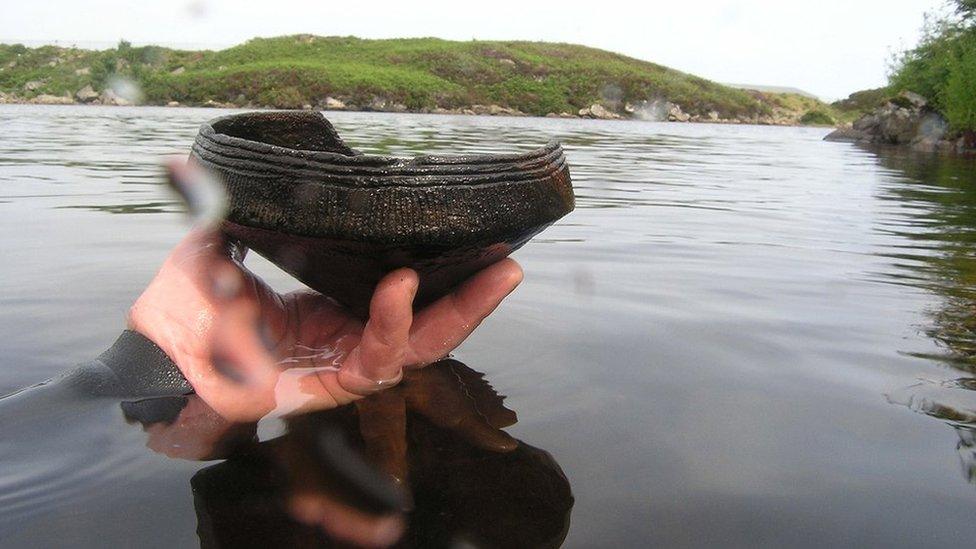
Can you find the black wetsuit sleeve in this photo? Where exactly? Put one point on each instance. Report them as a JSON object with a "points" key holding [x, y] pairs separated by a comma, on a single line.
{"points": [[132, 367]]}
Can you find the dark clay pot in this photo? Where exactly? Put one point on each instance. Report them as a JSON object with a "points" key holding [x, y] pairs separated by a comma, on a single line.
{"points": [[338, 220]]}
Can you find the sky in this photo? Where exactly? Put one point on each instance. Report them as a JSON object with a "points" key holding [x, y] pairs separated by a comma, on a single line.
{"points": [[829, 48]]}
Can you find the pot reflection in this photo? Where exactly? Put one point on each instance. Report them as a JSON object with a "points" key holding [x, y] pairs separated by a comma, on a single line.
{"points": [[428, 454]]}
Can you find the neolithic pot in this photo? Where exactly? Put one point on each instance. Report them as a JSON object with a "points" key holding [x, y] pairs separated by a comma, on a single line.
{"points": [[338, 220]]}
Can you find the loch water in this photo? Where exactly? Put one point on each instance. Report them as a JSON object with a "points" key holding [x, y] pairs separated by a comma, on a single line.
{"points": [[742, 336]]}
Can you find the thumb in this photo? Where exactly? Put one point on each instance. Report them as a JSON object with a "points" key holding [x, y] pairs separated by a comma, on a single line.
{"points": [[377, 362]]}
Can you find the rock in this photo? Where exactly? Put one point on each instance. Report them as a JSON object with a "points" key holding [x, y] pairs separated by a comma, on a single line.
{"points": [[377, 104], [507, 62], [904, 120], [867, 123], [83, 72], [333, 104], [496, 110], [899, 126], [930, 132], [551, 115], [86, 94], [675, 114], [597, 110], [713, 115], [307, 107], [398, 107], [847, 134], [47, 99], [33, 85], [915, 99], [210, 103], [173, 104], [178, 70]]}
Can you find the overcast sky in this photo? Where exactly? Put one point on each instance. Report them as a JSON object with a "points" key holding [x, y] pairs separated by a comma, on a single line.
{"points": [[828, 47]]}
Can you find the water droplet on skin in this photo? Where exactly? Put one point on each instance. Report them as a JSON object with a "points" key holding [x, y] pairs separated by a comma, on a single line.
{"points": [[226, 284]]}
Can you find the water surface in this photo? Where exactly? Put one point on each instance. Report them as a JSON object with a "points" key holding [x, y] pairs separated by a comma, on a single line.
{"points": [[743, 335]]}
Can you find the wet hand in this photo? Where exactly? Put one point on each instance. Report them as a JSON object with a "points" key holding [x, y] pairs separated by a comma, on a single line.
{"points": [[248, 350]]}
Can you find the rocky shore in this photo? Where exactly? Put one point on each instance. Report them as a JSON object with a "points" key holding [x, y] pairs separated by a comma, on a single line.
{"points": [[906, 120], [664, 111]]}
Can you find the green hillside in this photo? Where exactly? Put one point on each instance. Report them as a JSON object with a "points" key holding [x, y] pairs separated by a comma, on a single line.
{"points": [[422, 74]]}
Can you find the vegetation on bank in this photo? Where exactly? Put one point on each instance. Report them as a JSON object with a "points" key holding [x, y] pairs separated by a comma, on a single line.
{"points": [[862, 102], [942, 67], [421, 74]]}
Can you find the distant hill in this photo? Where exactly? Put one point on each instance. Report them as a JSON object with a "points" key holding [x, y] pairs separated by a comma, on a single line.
{"points": [[773, 89], [421, 74]]}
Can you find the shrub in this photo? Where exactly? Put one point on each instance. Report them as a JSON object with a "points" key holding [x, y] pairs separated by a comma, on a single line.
{"points": [[283, 98], [863, 101], [816, 118], [960, 87], [942, 67]]}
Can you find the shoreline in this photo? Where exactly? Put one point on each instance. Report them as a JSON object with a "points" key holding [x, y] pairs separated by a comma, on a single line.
{"points": [[474, 110]]}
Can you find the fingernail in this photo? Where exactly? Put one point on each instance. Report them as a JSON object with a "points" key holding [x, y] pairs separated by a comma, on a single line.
{"points": [[228, 369]]}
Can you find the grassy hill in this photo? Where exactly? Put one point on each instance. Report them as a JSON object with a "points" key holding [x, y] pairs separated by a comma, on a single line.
{"points": [[423, 74]]}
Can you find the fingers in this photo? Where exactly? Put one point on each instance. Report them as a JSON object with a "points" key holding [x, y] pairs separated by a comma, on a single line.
{"points": [[442, 326], [379, 358]]}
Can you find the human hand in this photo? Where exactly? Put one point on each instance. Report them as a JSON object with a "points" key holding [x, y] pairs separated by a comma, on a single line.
{"points": [[249, 351]]}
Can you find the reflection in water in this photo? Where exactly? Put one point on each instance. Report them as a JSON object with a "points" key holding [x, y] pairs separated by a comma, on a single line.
{"points": [[438, 435], [148, 207], [939, 205]]}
